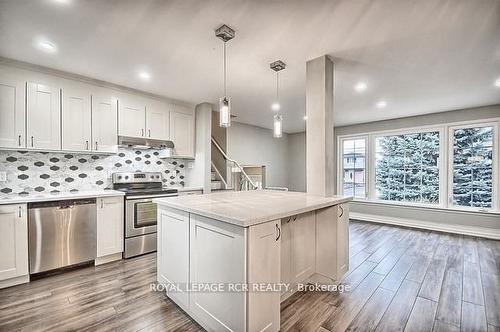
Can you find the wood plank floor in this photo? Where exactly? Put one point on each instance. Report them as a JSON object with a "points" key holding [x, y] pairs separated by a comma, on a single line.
{"points": [[401, 280]]}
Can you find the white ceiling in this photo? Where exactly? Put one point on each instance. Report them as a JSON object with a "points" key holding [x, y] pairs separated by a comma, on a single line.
{"points": [[420, 56]]}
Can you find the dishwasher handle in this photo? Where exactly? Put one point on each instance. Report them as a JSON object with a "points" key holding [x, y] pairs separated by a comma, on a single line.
{"points": [[62, 204]]}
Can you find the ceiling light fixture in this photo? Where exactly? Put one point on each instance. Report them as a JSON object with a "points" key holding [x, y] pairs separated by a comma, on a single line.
{"points": [[360, 86], [381, 104], [46, 46], [277, 66], [497, 83], [225, 34], [144, 75]]}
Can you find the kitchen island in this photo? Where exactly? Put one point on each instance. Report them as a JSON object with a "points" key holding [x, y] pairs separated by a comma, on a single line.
{"points": [[228, 259]]}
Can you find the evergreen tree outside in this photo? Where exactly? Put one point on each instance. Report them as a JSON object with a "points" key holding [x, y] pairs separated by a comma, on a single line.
{"points": [[473, 167], [407, 167]]}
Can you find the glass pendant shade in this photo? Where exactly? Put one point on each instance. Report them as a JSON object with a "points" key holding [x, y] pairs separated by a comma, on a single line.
{"points": [[224, 112], [278, 126]]}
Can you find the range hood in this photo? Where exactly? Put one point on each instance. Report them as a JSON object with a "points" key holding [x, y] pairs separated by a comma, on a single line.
{"points": [[144, 143]]}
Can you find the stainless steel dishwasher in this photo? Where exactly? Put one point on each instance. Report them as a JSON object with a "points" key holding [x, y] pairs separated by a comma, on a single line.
{"points": [[61, 233]]}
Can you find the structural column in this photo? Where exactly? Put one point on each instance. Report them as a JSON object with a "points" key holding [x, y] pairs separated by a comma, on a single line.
{"points": [[320, 173]]}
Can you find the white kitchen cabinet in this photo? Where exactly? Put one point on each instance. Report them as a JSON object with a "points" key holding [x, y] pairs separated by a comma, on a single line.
{"points": [[43, 111], [173, 253], [157, 120], [104, 122], [302, 245], [76, 119], [264, 252], [332, 224], [13, 243], [182, 134], [132, 117], [12, 113], [218, 255], [109, 226]]}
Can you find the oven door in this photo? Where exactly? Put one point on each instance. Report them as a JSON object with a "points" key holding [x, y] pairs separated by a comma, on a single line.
{"points": [[140, 217]]}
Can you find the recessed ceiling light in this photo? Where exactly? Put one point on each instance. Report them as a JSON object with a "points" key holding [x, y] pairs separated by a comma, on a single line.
{"points": [[46, 46], [305, 117], [63, 2], [275, 106], [381, 104], [145, 76], [497, 83], [360, 86]]}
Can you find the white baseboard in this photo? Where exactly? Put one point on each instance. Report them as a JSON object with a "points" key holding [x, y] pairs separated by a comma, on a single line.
{"points": [[108, 259], [14, 281], [489, 233]]}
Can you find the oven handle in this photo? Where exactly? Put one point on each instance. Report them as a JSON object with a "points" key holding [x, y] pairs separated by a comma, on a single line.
{"points": [[147, 197]]}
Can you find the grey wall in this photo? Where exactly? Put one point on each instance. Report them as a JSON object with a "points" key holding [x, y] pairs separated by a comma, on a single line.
{"points": [[199, 175], [448, 218], [251, 145], [296, 162]]}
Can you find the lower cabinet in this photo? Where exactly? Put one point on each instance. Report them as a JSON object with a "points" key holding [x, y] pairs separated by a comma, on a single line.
{"points": [[173, 253], [13, 243], [109, 226]]}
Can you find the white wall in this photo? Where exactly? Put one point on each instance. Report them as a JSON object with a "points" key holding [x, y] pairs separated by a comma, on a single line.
{"points": [[251, 145], [296, 162]]}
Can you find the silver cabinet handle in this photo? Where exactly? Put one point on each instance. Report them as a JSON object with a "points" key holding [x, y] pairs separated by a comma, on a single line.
{"points": [[96, 146], [19, 140], [149, 132], [142, 132], [32, 141], [279, 232], [20, 211], [102, 203], [341, 211], [87, 145]]}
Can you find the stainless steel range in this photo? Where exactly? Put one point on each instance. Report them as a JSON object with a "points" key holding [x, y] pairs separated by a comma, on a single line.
{"points": [[140, 212]]}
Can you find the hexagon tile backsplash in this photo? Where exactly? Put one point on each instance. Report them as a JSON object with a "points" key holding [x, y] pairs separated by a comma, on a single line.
{"points": [[29, 172]]}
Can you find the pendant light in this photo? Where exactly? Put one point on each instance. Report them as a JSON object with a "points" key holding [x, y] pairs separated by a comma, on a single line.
{"points": [[277, 66], [225, 34]]}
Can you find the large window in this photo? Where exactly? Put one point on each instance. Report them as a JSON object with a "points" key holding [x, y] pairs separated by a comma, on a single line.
{"points": [[447, 166], [473, 166], [407, 167], [354, 167]]}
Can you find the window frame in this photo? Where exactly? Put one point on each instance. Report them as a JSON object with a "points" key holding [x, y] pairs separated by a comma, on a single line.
{"points": [[340, 163], [495, 205], [445, 163]]}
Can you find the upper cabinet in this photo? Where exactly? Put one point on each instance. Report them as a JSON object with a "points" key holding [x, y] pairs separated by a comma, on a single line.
{"points": [[157, 120], [43, 112], [76, 119], [104, 122], [12, 116], [182, 132], [132, 116]]}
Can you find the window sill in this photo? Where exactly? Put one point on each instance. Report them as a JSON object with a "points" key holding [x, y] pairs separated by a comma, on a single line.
{"points": [[426, 207]]}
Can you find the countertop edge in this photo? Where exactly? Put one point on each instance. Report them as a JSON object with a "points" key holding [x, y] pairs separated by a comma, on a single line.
{"points": [[28, 199], [250, 222]]}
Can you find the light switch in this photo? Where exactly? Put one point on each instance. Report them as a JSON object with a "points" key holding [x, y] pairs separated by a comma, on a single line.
{"points": [[3, 176]]}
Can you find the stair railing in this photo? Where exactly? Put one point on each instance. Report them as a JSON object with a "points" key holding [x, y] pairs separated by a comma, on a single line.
{"points": [[226, 186], [247, 178]]}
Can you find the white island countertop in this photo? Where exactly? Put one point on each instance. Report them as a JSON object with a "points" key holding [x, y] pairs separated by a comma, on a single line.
{"points": [[43, 197], [248, 208]]}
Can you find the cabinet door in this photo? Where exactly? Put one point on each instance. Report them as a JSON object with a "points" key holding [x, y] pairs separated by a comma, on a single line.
{"points": [[157, 121], [43, 112], [264, 267], [13, 241], [109, 226], [132, 117], [342, 240], [173, 252], [182, 134], [76, 119], [12, 133], [104, 123], [302, 234]]}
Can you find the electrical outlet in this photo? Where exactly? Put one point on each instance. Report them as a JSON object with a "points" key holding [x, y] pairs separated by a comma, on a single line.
{"points": [[3, 176], [190, 164]]}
